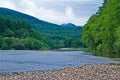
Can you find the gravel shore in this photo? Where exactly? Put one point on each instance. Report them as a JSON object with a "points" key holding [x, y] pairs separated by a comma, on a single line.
{"points": [[87, 72]]}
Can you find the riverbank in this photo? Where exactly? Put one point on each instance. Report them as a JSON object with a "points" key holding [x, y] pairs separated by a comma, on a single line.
{"points": [[86, 72], [72, 49]]}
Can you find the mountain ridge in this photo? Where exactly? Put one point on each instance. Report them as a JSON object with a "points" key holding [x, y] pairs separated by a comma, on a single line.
{"points": [[53, 34], [70, 25], [27, 17]]}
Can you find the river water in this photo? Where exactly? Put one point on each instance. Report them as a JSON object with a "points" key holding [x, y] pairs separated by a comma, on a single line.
{"points": [[25, 60]]}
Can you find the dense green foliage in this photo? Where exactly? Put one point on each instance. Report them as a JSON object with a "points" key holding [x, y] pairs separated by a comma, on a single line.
{"points": [[18, 34], [102, 31], [56, 36]]}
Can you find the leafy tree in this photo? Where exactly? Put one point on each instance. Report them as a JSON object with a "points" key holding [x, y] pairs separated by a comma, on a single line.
{"points": [[101, 32], [77, 43], [117, 43], [8, 33], [22, 33], [68, 42], [9, 41], [18, 45], [4, 46], [19, 35]]}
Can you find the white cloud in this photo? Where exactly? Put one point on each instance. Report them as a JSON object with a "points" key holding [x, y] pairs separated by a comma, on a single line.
{"points": [[69, 12], [7, 4], [49, 10], [50, 1]]}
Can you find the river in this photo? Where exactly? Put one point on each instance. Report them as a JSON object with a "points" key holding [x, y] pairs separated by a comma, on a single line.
{"points": [[25, 60]]}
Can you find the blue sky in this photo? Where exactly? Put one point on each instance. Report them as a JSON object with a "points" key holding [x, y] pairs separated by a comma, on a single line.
{"points": [[56, 11]]}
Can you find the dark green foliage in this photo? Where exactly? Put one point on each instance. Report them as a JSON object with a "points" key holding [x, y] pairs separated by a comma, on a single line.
{"points": [[8, 33], [18, 34], [68, 42], [117, 42], [4, 46], [102, 31], [18, 45], [54, 35]]}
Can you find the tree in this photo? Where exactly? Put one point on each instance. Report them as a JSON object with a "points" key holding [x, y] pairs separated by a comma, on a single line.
{"points": [[4, 46], [8, 33], [117, 43], [101, 32], [68, 42], [19, 35], [9, 41]]}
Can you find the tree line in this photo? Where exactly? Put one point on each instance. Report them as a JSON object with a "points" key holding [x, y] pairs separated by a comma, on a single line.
{"points": [[102, 31], [18, 34], [55, 36]]}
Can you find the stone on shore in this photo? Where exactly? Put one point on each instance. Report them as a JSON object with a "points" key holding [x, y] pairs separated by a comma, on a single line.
{"points": [[87, 72]]}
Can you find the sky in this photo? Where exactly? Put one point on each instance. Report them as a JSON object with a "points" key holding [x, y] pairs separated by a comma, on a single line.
{"points": [[56, 11]]}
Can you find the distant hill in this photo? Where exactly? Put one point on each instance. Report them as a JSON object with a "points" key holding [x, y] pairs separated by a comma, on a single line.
{"points": [[54, 35], [18, 15], [70, 25]]}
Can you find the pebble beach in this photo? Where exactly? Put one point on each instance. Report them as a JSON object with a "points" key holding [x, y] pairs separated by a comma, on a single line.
{"points": [[86, 72]]}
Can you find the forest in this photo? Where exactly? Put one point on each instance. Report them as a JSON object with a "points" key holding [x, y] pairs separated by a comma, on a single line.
{"points": [[18, 34], [102, 31], [22, 28]]}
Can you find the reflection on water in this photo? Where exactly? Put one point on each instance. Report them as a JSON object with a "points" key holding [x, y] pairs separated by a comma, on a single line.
{"points": [[113, 56], [18, 60], [109, 55]]}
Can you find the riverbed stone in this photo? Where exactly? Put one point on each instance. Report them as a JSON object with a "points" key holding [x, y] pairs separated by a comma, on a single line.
{"points": [[87, 72]]}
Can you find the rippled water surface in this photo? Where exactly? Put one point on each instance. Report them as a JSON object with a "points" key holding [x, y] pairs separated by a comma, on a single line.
{"points": [[14, 61]]}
